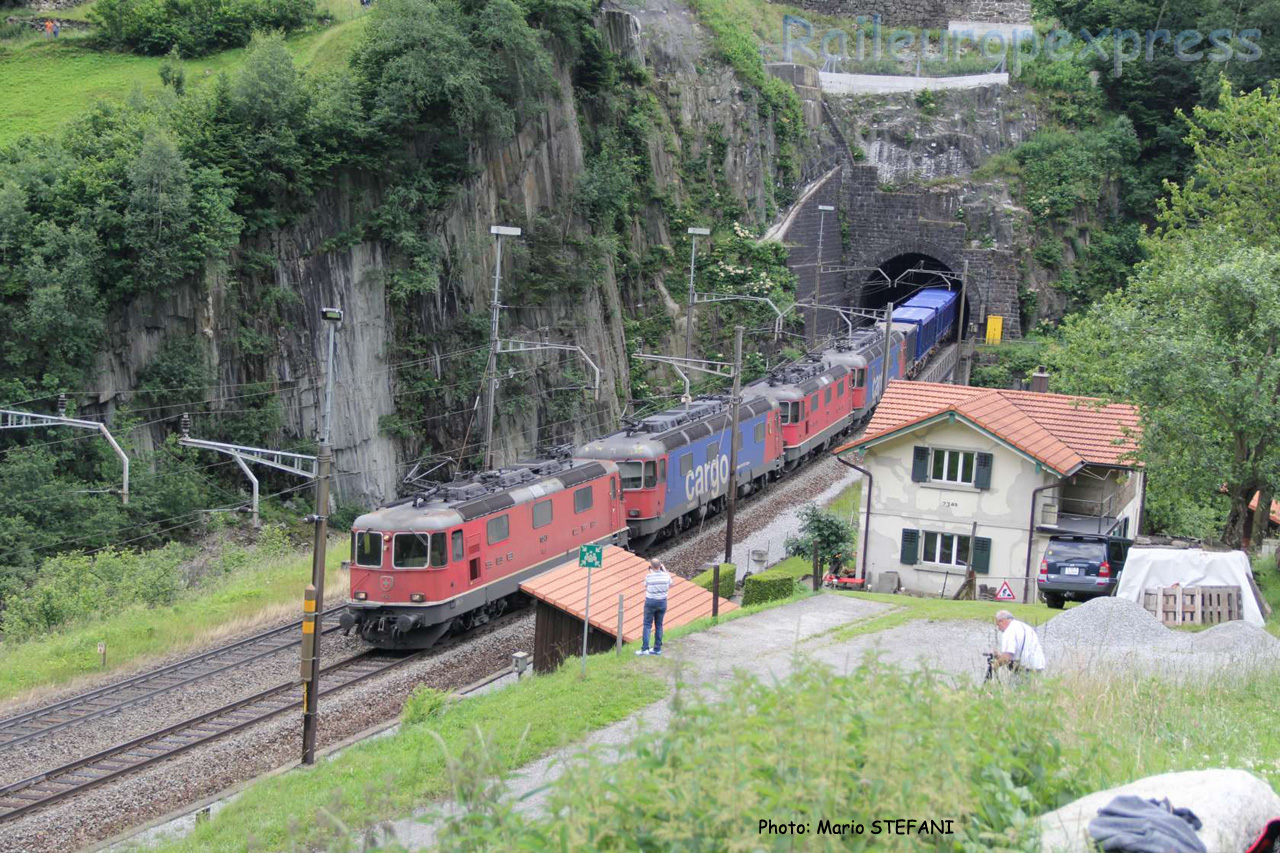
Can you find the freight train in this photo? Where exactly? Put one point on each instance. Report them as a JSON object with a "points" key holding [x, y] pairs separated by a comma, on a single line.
{"points": [[453, 556]]}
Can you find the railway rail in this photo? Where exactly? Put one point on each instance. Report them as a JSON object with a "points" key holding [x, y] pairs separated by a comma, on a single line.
{"points": [[115, 697], [27, 795]]}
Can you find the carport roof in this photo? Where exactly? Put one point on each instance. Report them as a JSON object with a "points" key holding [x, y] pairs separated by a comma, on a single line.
{"points": [[1060, 431]]}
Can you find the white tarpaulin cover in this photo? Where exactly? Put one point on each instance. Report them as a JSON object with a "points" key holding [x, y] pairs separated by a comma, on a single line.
{"points": [[1149, 568]]}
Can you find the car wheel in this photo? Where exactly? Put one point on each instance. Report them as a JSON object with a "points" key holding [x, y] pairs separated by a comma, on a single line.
{"points": [[1054, 601]]}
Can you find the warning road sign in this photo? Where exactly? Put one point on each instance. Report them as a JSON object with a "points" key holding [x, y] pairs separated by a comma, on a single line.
{"points": [[1005, 593], [591, 556]]}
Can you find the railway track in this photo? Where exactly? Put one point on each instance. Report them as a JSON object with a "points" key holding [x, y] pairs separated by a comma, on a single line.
{"points": [[115, 697], [27, 795]]}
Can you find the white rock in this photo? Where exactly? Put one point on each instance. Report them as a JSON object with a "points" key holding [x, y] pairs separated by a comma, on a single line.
{"points": [[1233, 804]]}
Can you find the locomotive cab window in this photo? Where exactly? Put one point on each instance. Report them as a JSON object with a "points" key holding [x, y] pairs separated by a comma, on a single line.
{"points": [[632, 475], [542, 513], [439, 550], [662, 470], [411, 550], [582, 499], [498, 529], [457, 545], [366, 548], [650, 474]]}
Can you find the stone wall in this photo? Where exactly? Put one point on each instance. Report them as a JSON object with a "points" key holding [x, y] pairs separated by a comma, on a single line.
{"points": [[883, 225], [923, 13], [800, 231]]}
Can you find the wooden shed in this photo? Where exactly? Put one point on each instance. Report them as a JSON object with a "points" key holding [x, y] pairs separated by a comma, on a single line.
{"points": [[561, 596]]}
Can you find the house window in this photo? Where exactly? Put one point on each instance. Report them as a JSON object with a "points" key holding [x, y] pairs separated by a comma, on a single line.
{"points": [[582, 499], [946, 549], [952, 466]]}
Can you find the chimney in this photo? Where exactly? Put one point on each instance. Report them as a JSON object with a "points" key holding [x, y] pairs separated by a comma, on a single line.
{"points": [[1040, 381]]}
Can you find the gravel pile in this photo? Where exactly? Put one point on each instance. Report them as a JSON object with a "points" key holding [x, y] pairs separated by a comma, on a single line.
{"points": [[1115, 633], [149, 793]]}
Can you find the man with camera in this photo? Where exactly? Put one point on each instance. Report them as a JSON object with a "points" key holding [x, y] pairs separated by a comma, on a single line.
{"points": [[1019, 650]]}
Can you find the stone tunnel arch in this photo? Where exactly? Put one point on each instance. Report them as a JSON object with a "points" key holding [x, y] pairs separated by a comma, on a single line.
{"points": [[908, 269]]}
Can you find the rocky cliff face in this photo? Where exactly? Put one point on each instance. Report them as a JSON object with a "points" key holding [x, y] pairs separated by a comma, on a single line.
{"points": [[700, 102]]}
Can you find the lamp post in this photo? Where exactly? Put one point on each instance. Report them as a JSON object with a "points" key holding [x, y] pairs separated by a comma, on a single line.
{"points": [[315, 598], [694, 234], [817, 275], [495, 306]]}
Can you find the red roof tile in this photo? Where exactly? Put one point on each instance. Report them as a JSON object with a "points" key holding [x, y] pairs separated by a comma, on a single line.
{"points": [[565, 588], [1274, 511], [1059, 430]]}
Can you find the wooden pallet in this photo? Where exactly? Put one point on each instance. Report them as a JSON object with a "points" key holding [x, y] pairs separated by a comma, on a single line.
{"points": [[1193, 605]]}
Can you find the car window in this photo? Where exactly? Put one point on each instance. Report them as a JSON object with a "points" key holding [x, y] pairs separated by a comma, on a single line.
{"points": [[1069, 549]]}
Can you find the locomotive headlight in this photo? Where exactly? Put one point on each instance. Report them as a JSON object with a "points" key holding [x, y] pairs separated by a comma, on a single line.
{"points": [[634, 513], [417, 596], [361, 596]]}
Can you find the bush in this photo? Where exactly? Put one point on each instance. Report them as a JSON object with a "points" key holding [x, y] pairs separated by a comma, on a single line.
{"points": [[775, 583], [194, 27], [727, 579], [423, 704]]}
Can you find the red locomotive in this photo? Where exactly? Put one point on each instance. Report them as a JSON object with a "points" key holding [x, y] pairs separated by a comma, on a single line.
{"points": [[453, 556]]}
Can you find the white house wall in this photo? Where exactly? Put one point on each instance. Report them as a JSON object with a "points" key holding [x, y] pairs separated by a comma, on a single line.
{"points": [[1000, 513]]}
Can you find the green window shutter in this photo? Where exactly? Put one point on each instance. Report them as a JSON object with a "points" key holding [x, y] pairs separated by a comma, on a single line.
{"points": [[920, 465], [981, 555], [910, 546], [982, 476]]}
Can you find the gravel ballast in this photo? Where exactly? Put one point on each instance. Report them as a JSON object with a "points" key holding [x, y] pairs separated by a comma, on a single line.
{"points": [[154, 791]]}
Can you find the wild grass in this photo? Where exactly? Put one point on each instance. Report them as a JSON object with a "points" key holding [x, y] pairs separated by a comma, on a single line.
{"points": [[260, 592], [1269, 583], [844, 506], [880, 742], [49, 82], [388, 777], [907, 608]]}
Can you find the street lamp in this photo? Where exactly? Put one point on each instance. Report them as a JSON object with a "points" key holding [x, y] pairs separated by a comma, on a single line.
{"points": [[817, 276], [495, 306], [313, 603], [694, 233]]}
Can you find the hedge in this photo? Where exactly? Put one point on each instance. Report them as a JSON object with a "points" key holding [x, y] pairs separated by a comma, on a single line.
{"points": [[777, 582], [727, 579]]}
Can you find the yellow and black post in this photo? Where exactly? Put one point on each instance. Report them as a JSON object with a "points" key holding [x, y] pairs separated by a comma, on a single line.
{"points": [[308, 684]]}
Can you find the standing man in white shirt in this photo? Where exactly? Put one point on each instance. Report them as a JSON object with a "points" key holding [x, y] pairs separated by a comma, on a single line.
{"points": [[656, 584], [1020, 648]]}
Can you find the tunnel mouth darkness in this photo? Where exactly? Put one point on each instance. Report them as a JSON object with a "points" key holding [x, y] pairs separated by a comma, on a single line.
{"points": [[902, 275]]}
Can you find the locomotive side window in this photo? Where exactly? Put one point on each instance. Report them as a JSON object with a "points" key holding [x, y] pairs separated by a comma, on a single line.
{"points": [[759, 432], [650, 475], [542, 513], [686, 464], [498, 529], [632, 474], [613, 488], [457, 545], [713, 451], [366, 548], [582, 499], [439, 551], [826, 396], [813, 403], [662, 470], [410, 550], [840, 388]]}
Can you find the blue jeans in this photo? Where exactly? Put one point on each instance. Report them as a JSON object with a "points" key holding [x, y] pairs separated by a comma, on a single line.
{"points": [[654, 612]]}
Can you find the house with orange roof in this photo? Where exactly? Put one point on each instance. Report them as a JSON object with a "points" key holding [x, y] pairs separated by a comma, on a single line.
{"points": [[978, 478]]}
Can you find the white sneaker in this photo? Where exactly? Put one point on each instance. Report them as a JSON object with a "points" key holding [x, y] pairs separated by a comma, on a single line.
{"points": [[644, 652]]}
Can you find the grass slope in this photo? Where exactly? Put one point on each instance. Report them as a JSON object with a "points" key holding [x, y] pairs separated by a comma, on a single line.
{"points": [[135, 635], [47, 82]]}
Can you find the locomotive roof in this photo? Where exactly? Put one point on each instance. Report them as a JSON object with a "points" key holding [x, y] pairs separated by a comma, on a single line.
{"points": [[675, 427], [446, 505]]}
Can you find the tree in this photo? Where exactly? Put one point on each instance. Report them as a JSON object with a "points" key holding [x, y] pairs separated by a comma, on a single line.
{"points": [[832, 536], [1195, 338]]}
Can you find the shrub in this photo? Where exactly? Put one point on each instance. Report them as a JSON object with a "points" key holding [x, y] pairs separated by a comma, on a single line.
{"points": [[423, 704], [194, 27], [777, 582], [727, 579]]}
